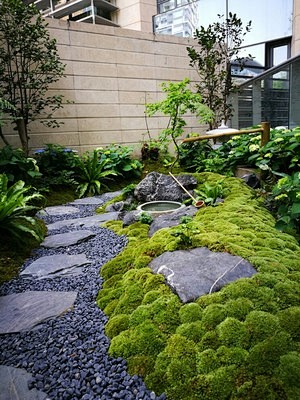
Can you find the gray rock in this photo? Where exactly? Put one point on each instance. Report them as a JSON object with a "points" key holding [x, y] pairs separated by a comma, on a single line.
{"points": [[67, 239], [55, 265], [23, 311], [118, 206], [157, 186], [58, 210], [14, 385], [173, 219], [97, 201], [193, 273], [85, 222], [130, 217]]}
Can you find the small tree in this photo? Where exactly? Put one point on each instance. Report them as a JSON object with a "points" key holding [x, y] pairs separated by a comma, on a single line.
{"points": [[179, 100], [219, 44], [29, 64]]}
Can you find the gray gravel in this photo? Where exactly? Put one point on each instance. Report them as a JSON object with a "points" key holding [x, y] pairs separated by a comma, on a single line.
{"points": [[68, 356]]}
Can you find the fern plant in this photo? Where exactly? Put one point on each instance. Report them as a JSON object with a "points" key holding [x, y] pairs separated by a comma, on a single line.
{"points": [[14, 208], [90, 172]]}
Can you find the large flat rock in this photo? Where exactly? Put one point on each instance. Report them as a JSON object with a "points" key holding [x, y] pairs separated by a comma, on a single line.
{"points": [[67, 239], [193, 273], [14, 385], [59, 210], [23, 311], [56, 265], [85, 222]]}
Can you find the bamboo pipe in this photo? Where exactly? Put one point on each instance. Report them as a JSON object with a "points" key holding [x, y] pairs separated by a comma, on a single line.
{"points": [[198, 203]]}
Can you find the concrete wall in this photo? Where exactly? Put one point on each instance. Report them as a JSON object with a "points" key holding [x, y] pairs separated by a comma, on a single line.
{"points": [[136, 14], [111, 73], [296, 29]]}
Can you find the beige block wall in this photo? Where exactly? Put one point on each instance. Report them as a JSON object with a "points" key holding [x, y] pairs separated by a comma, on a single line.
{"points": [[296, 29], [135, 14], [111, 73]]}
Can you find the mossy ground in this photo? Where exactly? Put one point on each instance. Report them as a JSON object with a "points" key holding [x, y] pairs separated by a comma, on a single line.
{"points": [[239, 343]]}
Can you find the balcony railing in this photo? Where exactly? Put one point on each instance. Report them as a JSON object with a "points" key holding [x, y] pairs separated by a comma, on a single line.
{"points": [[273, 96]]}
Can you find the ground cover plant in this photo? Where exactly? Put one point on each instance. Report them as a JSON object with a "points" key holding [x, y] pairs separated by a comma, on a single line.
{"points": [[239, 343]]}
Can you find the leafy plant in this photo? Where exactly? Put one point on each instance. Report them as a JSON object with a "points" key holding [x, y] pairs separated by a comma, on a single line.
{"points": [[17, 166], [56, 163], [90, 172], [5, 106], [211, 194], [287, 195], [145, 218], [184, 232], [179, 101], [219, 43], [14, 207], [29, 64], [118, 158], [192, 155]]}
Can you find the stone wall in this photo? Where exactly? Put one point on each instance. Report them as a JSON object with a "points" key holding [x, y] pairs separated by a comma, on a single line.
{"points": [[111, 73]]}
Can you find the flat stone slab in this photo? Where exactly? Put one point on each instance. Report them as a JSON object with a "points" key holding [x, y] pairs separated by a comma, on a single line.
{"points": [[193, 273], [59, 210], [85, 222], [67, 239], [172, 219], [14, 385], [56, 265], [96, 200], [23, 311]]}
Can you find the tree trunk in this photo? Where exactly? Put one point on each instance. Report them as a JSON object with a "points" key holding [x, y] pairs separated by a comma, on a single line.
{"points": [[22, 131], [3, 137]]}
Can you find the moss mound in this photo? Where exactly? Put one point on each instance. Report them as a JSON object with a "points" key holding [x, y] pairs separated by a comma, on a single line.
{"points": [[239, 343]]}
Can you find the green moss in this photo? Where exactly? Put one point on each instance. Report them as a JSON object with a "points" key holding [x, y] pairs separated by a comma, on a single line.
{"points": [[192, 330], [261, 325], [116, 325], [141, 365], [190, 312], [241, 332], [264, 357], [231, 355], [239, 308], [289, 320], [145, 339], [289, 373], [232, 332], [213, 315]]}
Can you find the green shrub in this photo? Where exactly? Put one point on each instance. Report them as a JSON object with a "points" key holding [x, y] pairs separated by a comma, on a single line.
{"points": [[14, 209], [17, 166], [90, 172], [56, 163]]}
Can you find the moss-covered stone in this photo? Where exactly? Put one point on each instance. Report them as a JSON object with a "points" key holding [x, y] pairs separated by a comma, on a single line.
{"points": [[238, 343]]}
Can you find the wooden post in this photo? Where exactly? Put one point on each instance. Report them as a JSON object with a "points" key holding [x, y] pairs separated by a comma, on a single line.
{"points": [[265, 135]]}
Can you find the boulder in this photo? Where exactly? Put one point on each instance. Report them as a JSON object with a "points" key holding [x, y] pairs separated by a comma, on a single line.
{"points": [[157, 186], [173, 219]]}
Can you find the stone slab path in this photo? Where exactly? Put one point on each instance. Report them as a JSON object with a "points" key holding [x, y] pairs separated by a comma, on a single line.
{"points": [[67, 239], [23, 311], [55, 265], [14, 385]]}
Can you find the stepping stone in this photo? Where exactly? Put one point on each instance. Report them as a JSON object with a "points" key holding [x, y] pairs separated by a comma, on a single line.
{"points": [[14, 385], [56, 265], [58, 210], [67, 239], [85, 222], [193, 273], [24, 311], [97, 201]]}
